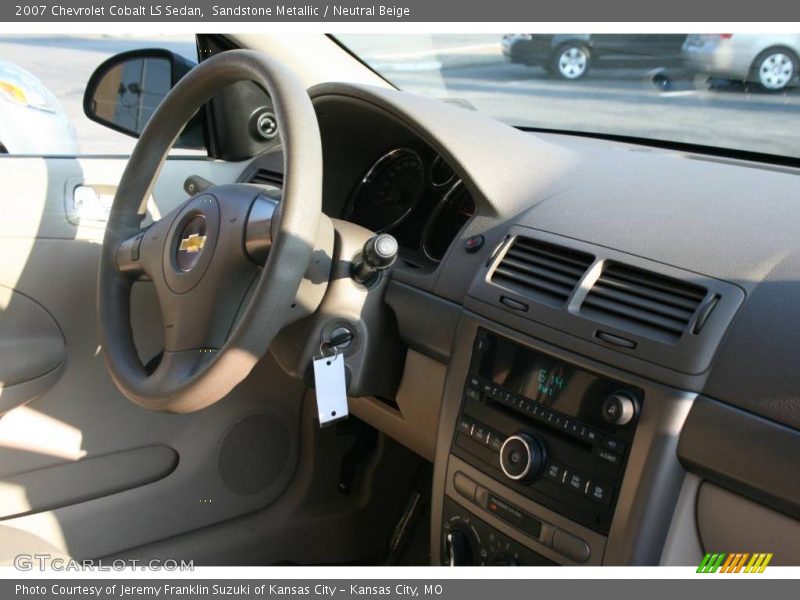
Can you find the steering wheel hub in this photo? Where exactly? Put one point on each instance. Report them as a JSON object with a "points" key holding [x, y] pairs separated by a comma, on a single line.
{"points": [[191, 242]]}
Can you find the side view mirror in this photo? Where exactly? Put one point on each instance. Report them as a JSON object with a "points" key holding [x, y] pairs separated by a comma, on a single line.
{"points": [[124, 91]]}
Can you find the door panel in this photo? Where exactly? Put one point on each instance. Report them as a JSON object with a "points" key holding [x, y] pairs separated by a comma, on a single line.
{"points": [[51, 263], [32, 350]]}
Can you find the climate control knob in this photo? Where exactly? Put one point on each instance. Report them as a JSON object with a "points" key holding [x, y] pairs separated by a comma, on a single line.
{"points": [[618, 408], [522, 456], [458, 548]]}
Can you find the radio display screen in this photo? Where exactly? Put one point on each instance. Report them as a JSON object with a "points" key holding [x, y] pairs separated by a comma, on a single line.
{"points": [[536, 376]]}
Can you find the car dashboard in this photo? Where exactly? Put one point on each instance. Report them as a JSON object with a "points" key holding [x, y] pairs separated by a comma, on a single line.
{"points": [[604, 330]]}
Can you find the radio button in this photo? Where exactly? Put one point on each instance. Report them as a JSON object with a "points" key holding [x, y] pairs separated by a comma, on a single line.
{"points": [[465, 426], [599, 492], [610, 457], [613, 444], [554, 472], [480, 434], [473, 394], [576, 482], [496, 442], [588, 435]]}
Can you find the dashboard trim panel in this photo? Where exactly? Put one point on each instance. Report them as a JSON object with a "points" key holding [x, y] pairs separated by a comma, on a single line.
{"points": [[740, 451]]}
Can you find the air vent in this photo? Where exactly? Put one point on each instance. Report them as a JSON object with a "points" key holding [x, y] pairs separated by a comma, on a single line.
{"points": [[266, 177], [642, 302], [541, 271]]}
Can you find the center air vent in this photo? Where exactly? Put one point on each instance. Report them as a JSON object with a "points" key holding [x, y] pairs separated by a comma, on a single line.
{"points": [[266, 177], [541, 271], [642, 302]]}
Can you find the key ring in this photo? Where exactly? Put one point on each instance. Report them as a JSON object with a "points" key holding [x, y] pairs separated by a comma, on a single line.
{"points": [[324, 345]]}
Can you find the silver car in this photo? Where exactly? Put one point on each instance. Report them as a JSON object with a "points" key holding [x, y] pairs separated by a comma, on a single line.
{"points": [[769, 60], [32, 120]]}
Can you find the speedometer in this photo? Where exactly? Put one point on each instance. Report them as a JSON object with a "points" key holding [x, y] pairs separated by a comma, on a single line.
{"points": [[453, 211], [388, 192]]}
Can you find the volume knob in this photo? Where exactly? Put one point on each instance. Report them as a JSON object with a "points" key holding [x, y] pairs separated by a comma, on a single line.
{"points": [[522, 456], [618, 408]]}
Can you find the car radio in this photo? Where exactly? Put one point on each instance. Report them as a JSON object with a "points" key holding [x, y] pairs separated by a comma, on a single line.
{"points": [[549, 430]]}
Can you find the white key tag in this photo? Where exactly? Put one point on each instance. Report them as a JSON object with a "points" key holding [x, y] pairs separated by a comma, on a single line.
{"points": [[331, 389]]}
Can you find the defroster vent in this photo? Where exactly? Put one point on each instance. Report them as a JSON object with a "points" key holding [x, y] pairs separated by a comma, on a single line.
{"points": [[541, 271], [642, 302]]}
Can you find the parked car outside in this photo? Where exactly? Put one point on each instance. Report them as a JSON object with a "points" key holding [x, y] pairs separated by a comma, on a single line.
{"points": [[570, 56], [768, 60], [32, 120]]}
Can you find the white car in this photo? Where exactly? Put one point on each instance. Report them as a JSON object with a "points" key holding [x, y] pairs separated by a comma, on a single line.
{"points": [[769, 60], [32, 120]]}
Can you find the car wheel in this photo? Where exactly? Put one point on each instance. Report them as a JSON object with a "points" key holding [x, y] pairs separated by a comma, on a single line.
{"points": [[775, 68], [571, 61]]}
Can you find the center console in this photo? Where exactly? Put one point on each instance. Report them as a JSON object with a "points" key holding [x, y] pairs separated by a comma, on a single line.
{"points": [[537, 457]]}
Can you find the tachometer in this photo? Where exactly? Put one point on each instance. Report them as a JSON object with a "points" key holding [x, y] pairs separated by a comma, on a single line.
{"points": [[389, 191], [453, 211]]}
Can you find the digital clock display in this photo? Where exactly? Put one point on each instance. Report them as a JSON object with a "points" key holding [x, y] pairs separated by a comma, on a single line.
{"points": [[537, 376]]}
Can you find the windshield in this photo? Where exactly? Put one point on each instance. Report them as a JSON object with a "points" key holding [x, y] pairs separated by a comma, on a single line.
{"points": [[733, 91]]}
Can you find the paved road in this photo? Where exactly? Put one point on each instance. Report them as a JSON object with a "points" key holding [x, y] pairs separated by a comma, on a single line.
{"points": [[471, 67]]}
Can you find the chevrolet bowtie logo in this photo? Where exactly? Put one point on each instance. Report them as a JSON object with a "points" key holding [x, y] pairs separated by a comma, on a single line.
{"points": [[193, 243]]}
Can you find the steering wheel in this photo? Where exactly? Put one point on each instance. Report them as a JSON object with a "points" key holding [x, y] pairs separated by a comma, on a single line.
{"points": [[221, 302]]}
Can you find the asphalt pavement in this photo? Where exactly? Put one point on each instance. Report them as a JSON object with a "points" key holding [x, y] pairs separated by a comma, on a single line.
{"points": [[472, 68]]}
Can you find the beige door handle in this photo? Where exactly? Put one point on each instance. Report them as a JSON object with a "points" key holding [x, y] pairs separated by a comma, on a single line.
{"points": [[84, 204]]}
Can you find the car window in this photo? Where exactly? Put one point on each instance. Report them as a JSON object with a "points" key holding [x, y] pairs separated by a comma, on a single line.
{"points": [[727, 90], [41, 97]]}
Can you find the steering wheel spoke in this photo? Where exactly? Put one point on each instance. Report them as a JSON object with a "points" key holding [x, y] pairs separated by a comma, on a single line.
{"points": [[138, 256], [203, 318]]}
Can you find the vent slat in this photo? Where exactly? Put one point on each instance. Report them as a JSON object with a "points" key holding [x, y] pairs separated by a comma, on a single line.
{"points": [[643, 302], [641, 316], [546, 262], [533, 282], [664, 308], [562, 255], [657, 282], [552, 274], [541, 271], [648, 293]]}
